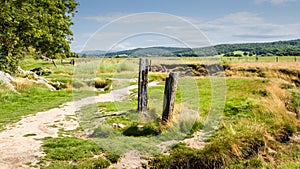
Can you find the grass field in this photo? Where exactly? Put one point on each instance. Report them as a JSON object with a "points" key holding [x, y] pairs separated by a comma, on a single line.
{"points": [[256, 129]]}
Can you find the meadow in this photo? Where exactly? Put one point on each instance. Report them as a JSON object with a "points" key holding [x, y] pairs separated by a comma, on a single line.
{"points": [[248, 113]]}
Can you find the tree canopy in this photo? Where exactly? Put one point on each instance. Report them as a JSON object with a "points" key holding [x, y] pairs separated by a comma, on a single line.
{"points": [[40, 25]]}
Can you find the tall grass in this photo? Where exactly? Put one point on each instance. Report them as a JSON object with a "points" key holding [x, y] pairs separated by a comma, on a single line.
{"points": [[252, 124]]}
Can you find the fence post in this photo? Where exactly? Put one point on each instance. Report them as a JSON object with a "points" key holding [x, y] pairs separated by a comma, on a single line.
{"points": [[169, 97], [295, 59], [143, 85], [277, 59]]}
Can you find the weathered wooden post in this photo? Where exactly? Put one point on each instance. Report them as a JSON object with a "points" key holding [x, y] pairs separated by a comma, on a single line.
{"points": [[295, 59], [277, 59], [169, 97], [143, 86]]}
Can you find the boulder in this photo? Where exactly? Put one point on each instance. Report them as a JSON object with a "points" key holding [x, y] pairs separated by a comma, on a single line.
{"points": [[7, 79]]}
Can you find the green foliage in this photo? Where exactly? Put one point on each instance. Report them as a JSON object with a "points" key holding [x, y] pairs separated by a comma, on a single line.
{"points": [[41, 25], [280, 48]]}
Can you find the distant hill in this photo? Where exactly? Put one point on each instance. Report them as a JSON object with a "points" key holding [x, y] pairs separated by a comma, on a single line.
{"points": [[278, 48], [151, 51], [93, 53]]}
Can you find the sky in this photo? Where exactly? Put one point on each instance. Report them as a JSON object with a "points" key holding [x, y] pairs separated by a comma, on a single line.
{"points": [[126, 24]]}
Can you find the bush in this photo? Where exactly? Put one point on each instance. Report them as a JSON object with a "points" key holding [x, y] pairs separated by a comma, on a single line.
{"points": [[101, 83], [147, 130]]}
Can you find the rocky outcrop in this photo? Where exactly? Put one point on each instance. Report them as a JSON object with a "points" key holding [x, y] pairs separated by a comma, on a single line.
{"points": [[37, 79], [7, 79]]}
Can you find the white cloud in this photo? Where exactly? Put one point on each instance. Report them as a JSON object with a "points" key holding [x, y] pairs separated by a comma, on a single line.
{"points": [[107, 18], [144, 30], [136, 18], [247, 27], [275, 2], [149, 26], [240, 18]]}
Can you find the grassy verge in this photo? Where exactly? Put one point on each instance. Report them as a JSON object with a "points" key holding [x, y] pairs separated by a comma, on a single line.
{"points": [[35, 98], [14, 106]]}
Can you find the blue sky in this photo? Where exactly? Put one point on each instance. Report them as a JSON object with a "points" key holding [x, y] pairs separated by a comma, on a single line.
{"points": [[126, 24]]}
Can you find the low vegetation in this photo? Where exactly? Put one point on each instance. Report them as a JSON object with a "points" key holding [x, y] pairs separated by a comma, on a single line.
{"points": [[14, 106], [70, 152], [259, 127]]}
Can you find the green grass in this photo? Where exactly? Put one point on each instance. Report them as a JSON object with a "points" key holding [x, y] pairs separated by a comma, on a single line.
{"points": [[240, 137], [290, 166], [151, 131], [61, 151], [254, 119], [14, 106], [29, 135]]}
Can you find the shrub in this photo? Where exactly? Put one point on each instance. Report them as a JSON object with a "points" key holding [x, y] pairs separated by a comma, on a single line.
{"points": [[101, 83], [147, 130]]}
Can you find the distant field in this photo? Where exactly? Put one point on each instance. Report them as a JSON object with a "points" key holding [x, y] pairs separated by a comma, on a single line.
{"points": [[262, 59]]}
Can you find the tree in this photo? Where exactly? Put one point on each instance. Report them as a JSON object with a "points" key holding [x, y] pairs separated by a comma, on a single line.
{"points": [[40, 24]]}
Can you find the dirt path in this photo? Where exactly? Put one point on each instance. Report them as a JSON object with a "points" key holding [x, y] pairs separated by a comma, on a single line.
{"points": [[20, 144]]}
